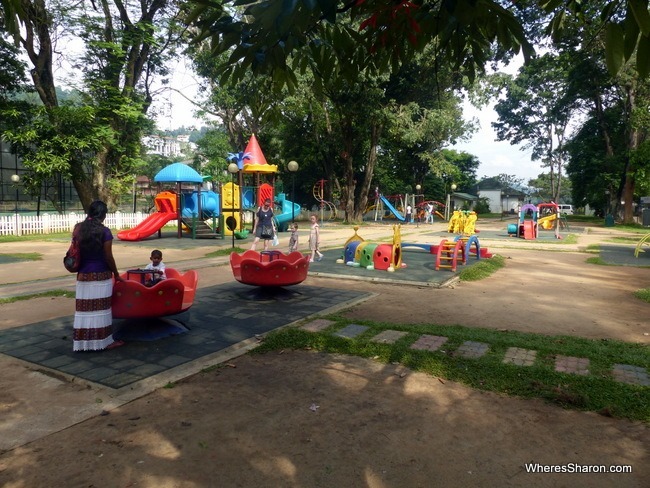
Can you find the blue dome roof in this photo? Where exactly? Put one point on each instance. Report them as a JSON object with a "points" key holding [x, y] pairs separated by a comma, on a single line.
{"points": [[178, 172]]}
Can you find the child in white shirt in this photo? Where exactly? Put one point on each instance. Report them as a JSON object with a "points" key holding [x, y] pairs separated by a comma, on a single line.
{"points": [[157, 268]]}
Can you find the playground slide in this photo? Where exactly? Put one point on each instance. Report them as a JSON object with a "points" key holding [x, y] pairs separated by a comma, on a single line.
{"points": [[289, 209], [147, 227], [547, 222], [392, 209]]}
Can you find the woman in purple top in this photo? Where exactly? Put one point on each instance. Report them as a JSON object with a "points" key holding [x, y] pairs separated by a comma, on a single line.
{"points": [[93, 318]]}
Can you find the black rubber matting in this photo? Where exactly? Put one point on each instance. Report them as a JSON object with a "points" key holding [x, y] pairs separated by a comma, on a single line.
{"points": [[221, 316]]}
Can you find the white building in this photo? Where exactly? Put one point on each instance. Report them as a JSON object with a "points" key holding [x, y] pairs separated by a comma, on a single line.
{"points": [[165, 146]]}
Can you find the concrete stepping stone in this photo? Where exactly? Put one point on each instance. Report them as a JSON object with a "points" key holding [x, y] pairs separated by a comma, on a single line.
{"points": [[572, 365], [317, 325], [472, 349], [633, 375], [351, 331], [428, 342], [519, 356], [388, 336]]}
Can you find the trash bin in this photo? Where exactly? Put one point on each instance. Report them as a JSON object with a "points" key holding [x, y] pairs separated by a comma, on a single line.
{"points": [[609, 220], [646, 217]]}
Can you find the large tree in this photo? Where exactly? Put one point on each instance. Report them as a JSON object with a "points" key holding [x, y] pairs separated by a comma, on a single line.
{"points": [[535, 111], [342, 129], [95, 143], [617, 106]]}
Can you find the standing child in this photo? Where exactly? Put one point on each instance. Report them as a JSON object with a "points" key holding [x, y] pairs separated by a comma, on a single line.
{"points": [[157, 268], [314, 240], [293, 240]]}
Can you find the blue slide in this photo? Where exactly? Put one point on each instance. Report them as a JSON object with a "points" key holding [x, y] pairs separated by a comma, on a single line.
{"points": [[392, 209], [289, 209]]}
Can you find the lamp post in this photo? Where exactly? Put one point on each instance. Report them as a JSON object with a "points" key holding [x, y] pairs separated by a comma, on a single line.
{"points": [[293, 167], [15, 179], [418, 187], [448, 204], [232, 169]]}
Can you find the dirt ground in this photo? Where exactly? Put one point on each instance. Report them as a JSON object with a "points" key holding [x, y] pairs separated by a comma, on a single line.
{"points": [[306, 419]]}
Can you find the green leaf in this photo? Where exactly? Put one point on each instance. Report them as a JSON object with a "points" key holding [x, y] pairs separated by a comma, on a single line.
{"points": [[551, 5], [557, 26], [614, 47], [643, 57], [631, 36], [640, 10]]}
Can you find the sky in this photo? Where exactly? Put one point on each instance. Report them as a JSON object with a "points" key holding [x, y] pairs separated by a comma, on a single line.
{"points": [[495, 157]]}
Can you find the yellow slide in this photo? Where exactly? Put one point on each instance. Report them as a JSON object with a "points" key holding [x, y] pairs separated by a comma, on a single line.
{"points": [[548, 222]]}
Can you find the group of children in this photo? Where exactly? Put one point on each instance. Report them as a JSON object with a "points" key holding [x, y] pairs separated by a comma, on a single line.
{"points": [[314, 239], [264, 230], [157, 267]]}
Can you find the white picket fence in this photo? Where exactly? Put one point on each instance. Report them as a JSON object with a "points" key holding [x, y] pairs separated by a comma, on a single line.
{"points": [[21, 225]]}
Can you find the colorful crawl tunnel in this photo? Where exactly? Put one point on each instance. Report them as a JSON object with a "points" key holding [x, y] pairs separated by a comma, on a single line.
{"points": [[374, 255]]}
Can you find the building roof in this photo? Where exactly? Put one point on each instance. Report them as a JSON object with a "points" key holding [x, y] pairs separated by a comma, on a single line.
{"points": [[492, 184], [464, 196]]}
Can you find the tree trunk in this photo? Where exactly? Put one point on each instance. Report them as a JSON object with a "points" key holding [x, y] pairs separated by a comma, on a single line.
{"points": [[629, 173], [371, 161]]}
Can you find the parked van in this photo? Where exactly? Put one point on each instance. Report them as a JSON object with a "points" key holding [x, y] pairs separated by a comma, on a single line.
{"points": [[565, 209]]}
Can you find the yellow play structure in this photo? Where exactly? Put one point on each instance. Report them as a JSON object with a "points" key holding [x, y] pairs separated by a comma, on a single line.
{"points": [[462, 222]]}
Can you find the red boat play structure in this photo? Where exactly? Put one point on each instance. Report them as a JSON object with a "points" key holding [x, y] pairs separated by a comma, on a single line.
{"points": [[269, 268], [133, 300]]}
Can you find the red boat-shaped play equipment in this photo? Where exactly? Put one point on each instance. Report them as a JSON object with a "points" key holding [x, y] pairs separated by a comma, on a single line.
{"points": [[269, 268], [133, 300]]}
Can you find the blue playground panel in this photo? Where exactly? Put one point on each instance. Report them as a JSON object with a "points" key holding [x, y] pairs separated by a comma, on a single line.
{"points": [[209, 204], [350, 251], [426, 247]]}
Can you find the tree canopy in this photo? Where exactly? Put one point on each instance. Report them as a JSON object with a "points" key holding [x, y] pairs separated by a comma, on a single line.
{"points": [[95, 140], [281, 38]]}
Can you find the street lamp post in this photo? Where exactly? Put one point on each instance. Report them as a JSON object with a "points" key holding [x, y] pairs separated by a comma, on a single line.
{"points": [[293, 167], [418, 187], [232, 169], [15, 179]]}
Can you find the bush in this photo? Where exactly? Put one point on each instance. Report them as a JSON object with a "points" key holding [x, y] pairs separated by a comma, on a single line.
{"points": [[482, 206]]}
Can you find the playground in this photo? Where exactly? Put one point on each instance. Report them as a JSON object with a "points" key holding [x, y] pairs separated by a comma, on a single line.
{"points": [[301, 418]]}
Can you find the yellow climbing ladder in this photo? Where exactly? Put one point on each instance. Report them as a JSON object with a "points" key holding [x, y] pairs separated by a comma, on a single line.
{"points": [[449, 254]]}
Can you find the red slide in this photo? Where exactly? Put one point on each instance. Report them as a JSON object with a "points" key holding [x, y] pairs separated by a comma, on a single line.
{"points": [[147, 227]]}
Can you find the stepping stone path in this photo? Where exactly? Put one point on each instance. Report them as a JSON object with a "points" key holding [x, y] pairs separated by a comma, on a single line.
{"points": [[623, 373], [471, 349], [429, 342], [569, 364], [519, 356]]}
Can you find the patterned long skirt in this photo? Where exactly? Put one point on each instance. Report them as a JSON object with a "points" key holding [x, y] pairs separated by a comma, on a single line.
{"points": [[93, 319]]}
